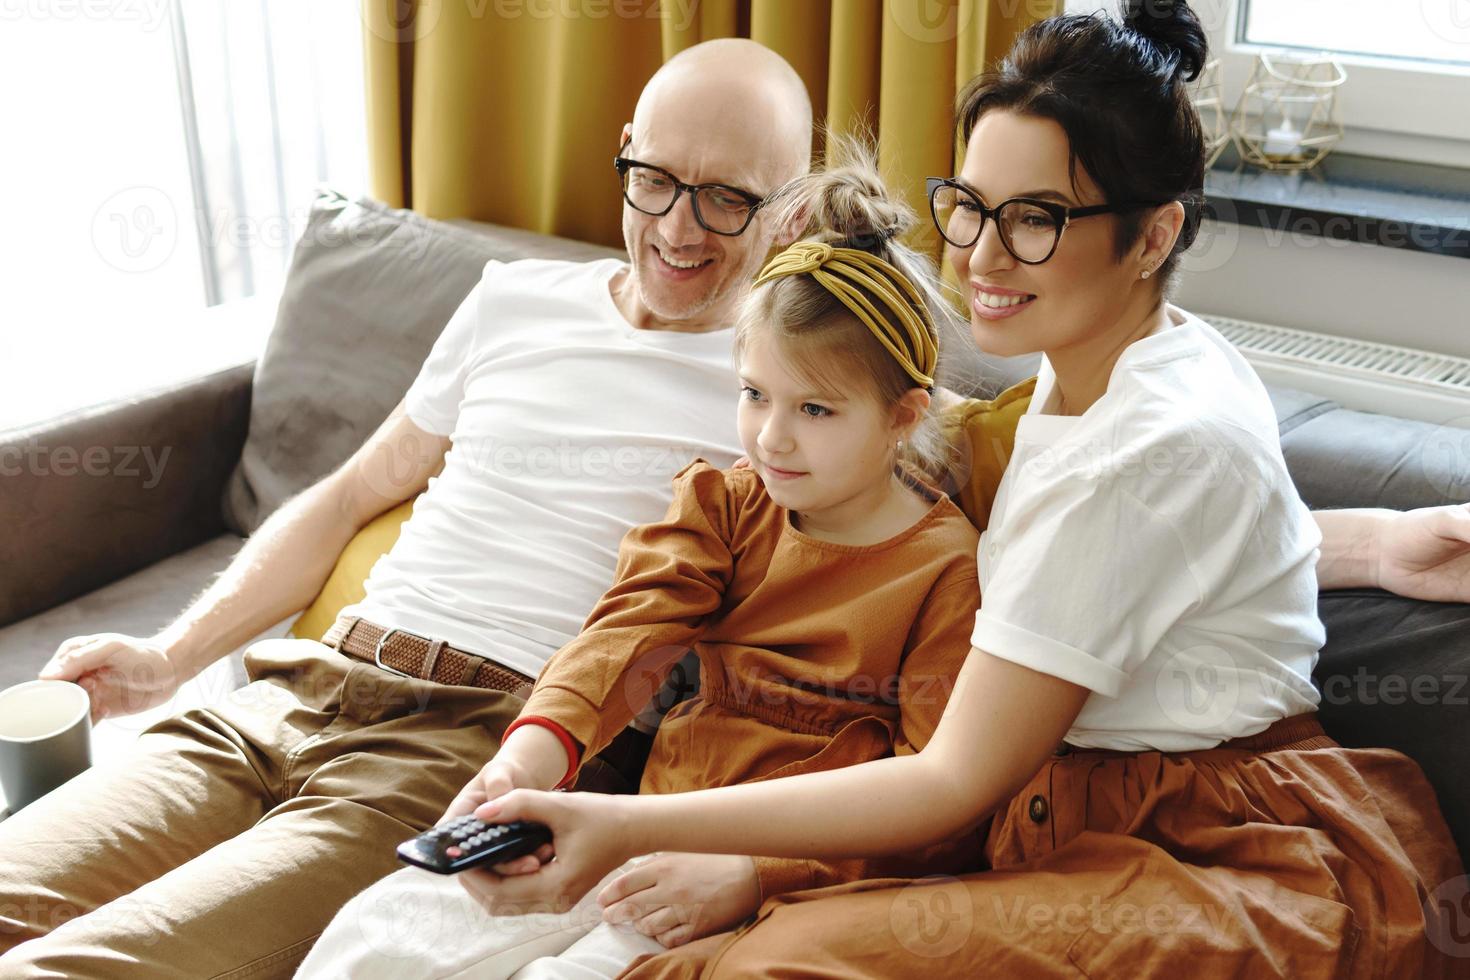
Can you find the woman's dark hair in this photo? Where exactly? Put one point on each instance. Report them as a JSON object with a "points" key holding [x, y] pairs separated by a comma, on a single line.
{"points": [[1119, 91]]}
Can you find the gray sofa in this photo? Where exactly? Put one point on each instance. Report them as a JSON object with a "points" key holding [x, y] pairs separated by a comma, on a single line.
{"points": [[368, 291]]}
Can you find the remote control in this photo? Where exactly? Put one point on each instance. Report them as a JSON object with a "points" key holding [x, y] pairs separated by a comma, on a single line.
{"points": [[467, 842]]}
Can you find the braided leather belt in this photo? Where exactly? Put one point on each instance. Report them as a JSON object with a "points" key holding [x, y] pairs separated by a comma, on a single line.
{"points": [[411, 655]]}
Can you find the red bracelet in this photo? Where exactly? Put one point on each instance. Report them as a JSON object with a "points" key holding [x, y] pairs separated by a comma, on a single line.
{"points": [[574, 752]]}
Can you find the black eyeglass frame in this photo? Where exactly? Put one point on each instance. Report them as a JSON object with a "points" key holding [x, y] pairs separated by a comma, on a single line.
{"points": [[624, 164], [1062, 214]]}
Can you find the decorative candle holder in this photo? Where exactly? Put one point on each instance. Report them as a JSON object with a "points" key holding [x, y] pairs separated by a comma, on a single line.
{"points": [[1205, 93], [1286, 118]]}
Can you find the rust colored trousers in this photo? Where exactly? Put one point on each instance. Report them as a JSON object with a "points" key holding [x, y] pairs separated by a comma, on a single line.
{"points": [[1278, 855]]}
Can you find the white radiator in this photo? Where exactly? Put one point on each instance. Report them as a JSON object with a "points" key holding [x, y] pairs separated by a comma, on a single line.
{"points": [[1358, 374]]}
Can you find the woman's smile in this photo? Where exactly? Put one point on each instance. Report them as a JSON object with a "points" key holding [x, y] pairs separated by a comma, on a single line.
{"points": [[998, 306]]}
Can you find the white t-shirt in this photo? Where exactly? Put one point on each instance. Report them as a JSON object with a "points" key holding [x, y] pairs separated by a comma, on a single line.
{"points": [[567, 426], [1154, 551]]}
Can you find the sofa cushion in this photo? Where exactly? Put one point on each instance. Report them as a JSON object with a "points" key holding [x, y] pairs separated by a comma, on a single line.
{"points": [[347, 583], [139, 605], [368, 292]]}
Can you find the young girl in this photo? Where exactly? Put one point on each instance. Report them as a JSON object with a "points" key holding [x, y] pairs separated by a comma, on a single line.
{"points": [[826, 590], [1136, 712]]}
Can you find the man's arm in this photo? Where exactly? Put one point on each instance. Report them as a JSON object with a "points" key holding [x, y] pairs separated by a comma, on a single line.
{"points": [[1422, 554], [281, 568]]}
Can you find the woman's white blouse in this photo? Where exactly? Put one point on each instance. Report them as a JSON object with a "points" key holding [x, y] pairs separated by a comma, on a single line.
{"points": [[1154, 550]]}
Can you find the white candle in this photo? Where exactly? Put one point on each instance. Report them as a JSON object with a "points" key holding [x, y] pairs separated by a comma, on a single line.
{"points": [[1283, 141]]}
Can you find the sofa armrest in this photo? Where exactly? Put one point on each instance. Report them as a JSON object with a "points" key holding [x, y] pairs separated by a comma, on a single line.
{"points": [[1344, 458], [98, 494]]}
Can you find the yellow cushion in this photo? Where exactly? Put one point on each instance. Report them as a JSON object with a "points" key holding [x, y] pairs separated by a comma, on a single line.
{"points": [[346, 583], [983, 433]]}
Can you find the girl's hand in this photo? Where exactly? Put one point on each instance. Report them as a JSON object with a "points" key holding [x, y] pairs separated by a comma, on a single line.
{"points": [[589, 837], [676, 898]]}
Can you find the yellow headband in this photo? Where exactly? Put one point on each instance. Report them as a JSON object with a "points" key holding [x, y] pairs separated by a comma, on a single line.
{"points": [[841, 271]]}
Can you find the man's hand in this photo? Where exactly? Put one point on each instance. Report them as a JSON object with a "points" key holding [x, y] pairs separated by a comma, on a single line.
{"points": [[532, 758], [676, 898], [496, 778], [1425, 553], [121, 674]]}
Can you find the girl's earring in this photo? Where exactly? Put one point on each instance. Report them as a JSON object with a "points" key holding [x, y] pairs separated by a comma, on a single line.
{"points": [[1145, 273]]}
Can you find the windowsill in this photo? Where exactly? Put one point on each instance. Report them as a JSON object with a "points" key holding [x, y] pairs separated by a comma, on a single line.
{"points": [[1373, 201]]}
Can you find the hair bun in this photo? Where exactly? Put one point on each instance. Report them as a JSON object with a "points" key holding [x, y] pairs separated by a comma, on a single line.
{"points": [[1175, 32], [845, 203]]}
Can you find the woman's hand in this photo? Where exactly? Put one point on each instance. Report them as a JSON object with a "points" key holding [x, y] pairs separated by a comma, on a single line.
{"points": [[676, 898], [1425, 553], [590, 839]]}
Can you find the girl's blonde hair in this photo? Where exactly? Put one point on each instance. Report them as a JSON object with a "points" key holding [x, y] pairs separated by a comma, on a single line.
{"points": [[845, 204]]}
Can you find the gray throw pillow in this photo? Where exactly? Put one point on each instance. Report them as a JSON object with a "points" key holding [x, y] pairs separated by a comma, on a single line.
{"points": [[369, 290]]}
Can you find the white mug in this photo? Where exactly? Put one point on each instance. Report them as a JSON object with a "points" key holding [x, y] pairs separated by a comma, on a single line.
{"points": [[45, 738]]}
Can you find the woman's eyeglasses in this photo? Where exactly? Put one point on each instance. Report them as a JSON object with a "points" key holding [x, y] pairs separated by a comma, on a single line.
{"points": [[1029, 229]]}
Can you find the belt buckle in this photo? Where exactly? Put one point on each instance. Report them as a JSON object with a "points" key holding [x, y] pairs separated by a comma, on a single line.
{"points": [[378, 651]]}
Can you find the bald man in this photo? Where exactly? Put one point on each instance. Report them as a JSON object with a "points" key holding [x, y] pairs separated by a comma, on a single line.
{"points": [[554, 410]]}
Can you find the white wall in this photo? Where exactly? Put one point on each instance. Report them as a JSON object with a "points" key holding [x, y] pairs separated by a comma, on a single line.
{"points": [[1369, 292]]}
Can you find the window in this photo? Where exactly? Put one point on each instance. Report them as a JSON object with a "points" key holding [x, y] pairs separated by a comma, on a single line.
{"points": [[275, 106], [160, 158], [1407, 61], [1413, 33]]}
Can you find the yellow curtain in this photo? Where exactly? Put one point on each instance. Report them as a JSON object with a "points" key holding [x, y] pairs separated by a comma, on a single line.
{"points": [[509, 110]]}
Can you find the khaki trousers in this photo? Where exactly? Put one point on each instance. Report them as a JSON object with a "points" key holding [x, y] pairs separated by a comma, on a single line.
{"points": [[226, 843]]}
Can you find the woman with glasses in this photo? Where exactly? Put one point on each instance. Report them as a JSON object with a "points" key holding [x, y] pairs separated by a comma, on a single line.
{"points": [[1136, 718]]}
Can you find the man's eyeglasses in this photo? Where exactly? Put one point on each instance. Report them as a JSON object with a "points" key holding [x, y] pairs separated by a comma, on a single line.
{"points": [[719, 208], [1029, 229]]}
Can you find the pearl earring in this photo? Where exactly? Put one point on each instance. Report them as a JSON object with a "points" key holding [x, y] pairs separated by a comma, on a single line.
{"points": [[1145, 273]]}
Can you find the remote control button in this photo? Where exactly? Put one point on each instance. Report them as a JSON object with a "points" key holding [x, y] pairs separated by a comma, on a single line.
{"points": [[453, 852]]}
